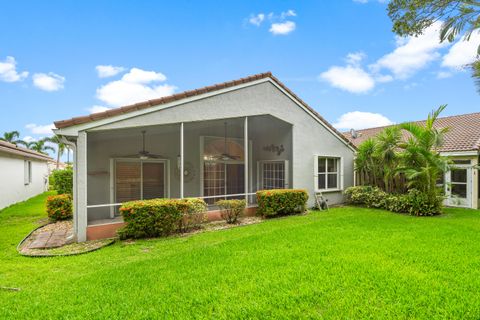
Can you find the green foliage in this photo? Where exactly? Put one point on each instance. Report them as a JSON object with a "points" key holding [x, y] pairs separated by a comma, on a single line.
{"points": [[231, 210], [458, 17], [59, 207], [159, 217], [40, 146], [13, 137], [281, 201], [61, 146], [414, 202], [62, 180]]}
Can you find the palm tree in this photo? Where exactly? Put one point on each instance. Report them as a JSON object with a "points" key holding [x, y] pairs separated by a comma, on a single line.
{"points": [[365, 162], [386, 151], [422, 163], [61, 147], [12, 137], [40, 146]]}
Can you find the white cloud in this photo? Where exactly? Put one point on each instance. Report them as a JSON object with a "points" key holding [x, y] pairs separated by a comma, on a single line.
{"points": [[40, 129], [412, 53], [97, 109], [443, 74], [105, 71], [141, 76], [462, 52], [8, 71], [361, 120], [29, 139], [288, 13], [135, 86], [351, 78], [282, 28], [48, 82], [257, 19]]}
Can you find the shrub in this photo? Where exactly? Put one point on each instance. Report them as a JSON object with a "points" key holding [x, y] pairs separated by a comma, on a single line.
{"points": [[159, 217], [231, 210], [62, 180], [414, 202], [281, 201], [59, 207]]}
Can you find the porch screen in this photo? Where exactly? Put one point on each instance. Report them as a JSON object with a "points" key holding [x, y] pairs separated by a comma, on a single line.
{"points": [[137, 180]]}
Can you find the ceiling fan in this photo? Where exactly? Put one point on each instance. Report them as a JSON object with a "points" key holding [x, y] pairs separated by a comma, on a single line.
{"points": [[144, 154], [225, 156]]}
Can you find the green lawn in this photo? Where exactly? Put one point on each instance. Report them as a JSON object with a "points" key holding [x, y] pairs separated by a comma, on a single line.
{"points": [[346, 263]]}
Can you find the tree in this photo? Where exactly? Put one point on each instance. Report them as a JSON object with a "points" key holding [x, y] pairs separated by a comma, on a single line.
{"points": [[61, 147], [412, 17], [387, 143], [40, 146], [13, 137], [422, 164]]}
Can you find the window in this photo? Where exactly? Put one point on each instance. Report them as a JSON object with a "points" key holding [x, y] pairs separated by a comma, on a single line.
{"points": [[220, 178], [459, 182], [273, 175], [328, 173], [27, 172], [137, 180]]}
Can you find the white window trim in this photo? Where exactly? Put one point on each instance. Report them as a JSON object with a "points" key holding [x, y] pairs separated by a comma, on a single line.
{"points": [[260, 164], [340, 172]]}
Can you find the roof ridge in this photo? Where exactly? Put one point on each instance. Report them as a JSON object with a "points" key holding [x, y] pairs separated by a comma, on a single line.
{"points": [[162, 100]]}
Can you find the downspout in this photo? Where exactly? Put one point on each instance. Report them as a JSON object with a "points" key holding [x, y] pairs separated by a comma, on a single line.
{"points": [[73, 146]]}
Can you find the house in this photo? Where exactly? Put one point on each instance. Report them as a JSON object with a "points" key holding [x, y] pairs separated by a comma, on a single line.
{"points": [[24, 173], [462, 145], [222, 141]]}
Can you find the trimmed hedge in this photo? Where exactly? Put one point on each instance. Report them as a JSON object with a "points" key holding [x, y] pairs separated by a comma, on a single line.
{"points": [[62, 180], [231, 210], [59, 207], [414, 202], [281, 201], [160, 217]]}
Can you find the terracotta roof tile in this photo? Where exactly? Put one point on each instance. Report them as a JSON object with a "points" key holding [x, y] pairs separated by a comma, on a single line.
{"points": [[155, 102], [463, 134]]}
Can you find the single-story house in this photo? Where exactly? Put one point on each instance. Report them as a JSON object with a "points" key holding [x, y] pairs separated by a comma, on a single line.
{"points": [[222, 141], [462, 145], [23, 172]]}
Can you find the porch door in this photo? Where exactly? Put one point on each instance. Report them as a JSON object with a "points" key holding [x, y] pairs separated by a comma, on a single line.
{"points": [[459, 187], [221, 178], [272, 174], [138, 180]]}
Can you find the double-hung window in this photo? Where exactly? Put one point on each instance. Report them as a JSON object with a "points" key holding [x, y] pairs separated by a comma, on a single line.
{"points": [[328, 173]]}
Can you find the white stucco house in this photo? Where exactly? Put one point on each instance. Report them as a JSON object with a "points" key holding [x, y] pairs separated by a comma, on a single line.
{"points": [[23, 173], [222, 141], [462, 145]]}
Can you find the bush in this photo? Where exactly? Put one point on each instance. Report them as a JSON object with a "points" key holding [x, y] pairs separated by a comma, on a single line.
{"points": [[281, 201], [414, 202], [160, 217], [59, 207], [231, 210], [62, 181]]}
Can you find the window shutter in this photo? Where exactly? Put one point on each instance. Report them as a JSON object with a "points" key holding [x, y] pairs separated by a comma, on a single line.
{"points": [[315, 172], [25, 172]]}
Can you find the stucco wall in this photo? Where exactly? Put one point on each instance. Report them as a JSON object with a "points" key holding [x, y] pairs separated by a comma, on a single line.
{"points": [[309, 137], [13, 189]]}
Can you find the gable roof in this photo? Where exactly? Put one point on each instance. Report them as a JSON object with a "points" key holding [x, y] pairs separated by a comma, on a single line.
{"points": [[196, 92], [11, 148], [463, 134]]}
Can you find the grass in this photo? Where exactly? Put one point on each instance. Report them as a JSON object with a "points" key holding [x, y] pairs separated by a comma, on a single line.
{"points": [[346, 263]]}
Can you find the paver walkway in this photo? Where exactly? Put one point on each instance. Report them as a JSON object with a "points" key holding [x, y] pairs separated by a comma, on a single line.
{"points": [[51, 236]]}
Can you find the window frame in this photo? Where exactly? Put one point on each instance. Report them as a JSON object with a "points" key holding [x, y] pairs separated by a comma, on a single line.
{"points": [[27, 172], [340, 175]]}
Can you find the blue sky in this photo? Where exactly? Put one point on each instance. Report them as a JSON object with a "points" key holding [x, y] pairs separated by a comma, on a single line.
{"points": [[60, 59]]}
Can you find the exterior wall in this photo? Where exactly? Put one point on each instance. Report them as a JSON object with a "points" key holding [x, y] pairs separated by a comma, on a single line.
{"points": [[309, 136], [13, 189], [473, 183]]}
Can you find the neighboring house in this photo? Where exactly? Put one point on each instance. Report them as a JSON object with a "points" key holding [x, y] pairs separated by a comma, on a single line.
{"points": [[462, 145], [222, 141], [53, 165], [23, 173]]}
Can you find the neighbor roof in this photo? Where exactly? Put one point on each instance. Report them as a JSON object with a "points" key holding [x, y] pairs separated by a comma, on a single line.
{"points": [[11, 148], [179, 96], [463, 134]]}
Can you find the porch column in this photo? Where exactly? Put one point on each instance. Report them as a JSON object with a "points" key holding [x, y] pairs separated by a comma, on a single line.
{"points": [[245, 156], [181, 160], [81, 187]]}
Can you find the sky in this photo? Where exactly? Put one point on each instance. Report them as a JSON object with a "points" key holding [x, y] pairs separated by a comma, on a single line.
{"points": [[60, 59]]}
